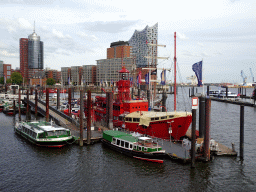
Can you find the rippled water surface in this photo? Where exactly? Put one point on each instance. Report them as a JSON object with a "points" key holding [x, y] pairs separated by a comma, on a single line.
{"points": [[25, 167]]}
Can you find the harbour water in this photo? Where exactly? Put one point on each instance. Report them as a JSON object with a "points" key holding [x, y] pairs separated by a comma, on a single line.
{"points": [[25, 167]]}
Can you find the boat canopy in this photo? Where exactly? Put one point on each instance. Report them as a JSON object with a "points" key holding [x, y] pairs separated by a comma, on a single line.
{"points": [[145, 117]]}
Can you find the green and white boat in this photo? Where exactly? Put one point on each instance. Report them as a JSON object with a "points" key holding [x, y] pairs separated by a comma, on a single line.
{"points": [[42, 133], [137, 147]]}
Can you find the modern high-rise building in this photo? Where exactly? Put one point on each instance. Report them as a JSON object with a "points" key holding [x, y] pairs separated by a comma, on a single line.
{"points": [[31, 55], [24, 57], [145, 55], [35, 52]]}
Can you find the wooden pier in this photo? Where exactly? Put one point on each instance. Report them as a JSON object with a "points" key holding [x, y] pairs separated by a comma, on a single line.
{"points": [[233, 101]]}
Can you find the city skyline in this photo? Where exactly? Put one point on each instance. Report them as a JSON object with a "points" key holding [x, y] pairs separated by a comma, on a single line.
{"points": [[76, 33]]}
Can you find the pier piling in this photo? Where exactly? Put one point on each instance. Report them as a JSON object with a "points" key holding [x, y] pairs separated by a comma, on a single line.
{"points": [[201, 116], [241, 132], [19, 107], [164, 97], [138, 93], [148, 98], [208, 89], [28, 115], [89, 107], [58, 99], [47, 105], [36, 103], [110, 111], [207, 129], [193, 143], [81, 116], [69, 102], [14, 108]]}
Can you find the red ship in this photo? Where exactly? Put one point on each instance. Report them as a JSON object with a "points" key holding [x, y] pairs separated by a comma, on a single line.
{"points": [[165, 125]]}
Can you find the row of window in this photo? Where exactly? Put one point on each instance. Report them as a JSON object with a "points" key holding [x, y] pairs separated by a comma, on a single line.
{"points": [[130, 119], [127, 145], [29, 132]]}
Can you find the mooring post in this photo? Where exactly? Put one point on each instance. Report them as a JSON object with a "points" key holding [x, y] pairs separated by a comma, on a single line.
{"points": [[207, 129], [201, 116], [226, 92], [164, 97], [139, 93], [193, 143], [241, 132], [193, 91], [19, 107], [89, 107], [58, 99], [110, 116], [189, 92], [132, 92], [47, 105], [81, 117], [69, 102], [208, 90], [36, 103], [14, 107], [148, 98], [28, 115], [107, 109], [245, 91]]}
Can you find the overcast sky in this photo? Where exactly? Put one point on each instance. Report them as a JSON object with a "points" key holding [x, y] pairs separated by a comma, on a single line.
{"points": [[78, 32]]}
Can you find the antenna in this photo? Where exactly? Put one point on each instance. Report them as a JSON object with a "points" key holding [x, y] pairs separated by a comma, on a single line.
{"points": [[34, 26]]}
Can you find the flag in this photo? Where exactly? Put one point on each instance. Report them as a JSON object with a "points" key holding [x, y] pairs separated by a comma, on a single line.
{"points": [[197, 68], [154, 72], [139, 78], [163, 77], [131, 80], [147, 78]]}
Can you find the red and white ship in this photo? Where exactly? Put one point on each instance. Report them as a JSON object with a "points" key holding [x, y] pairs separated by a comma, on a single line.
{"points": [[165, 125]]}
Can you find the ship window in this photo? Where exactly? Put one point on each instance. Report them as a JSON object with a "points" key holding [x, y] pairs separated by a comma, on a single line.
{"points": [[126, 145], [145, 148], [130, 146], [122, 143], [152, 119], [139, 148], [128, 119], [136, 120], [171, 116], [134, 147], [156, 118], [118, 142], [114, 140], [164, 117]]}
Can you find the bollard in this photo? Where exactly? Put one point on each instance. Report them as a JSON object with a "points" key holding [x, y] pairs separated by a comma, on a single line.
{"points": [[208, 89], [241, 132], [148, 98]]}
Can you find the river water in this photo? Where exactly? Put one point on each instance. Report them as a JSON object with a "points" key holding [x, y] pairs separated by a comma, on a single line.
{"points": [[25, 167]]}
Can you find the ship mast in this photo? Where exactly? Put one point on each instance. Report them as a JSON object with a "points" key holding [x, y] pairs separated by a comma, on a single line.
{"points": [[175, 71]]}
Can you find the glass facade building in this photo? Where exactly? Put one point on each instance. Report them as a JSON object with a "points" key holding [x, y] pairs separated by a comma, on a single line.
{"points": [[145, 55], [35, 52]]}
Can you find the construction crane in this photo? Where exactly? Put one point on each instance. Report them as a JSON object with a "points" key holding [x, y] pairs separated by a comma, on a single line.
{"points": [[252, 75], [244, 78]]}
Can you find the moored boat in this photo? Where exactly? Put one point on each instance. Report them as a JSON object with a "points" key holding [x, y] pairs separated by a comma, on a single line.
{"points": [[45, 134], [137, 147]]}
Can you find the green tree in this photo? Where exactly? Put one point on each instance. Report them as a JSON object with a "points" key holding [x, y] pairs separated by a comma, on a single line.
{"points": [[9, 81], [50, 81], [2, 80], [16, 78]]}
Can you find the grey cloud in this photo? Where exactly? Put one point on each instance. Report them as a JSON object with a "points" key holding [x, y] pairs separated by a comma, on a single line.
{"points": [[109, 27]]}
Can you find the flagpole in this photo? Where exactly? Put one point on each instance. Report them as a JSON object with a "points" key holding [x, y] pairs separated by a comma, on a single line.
{"points": [[202, 77]]}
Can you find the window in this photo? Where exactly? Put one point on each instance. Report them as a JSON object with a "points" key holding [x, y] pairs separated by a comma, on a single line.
{"points": [[134, 147], [139, 148], [118, 142], [122, 143], [8, 72], [136, 120], [130, 146], [164, 117], [114, 140], [126, 145], [145, 148]]}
